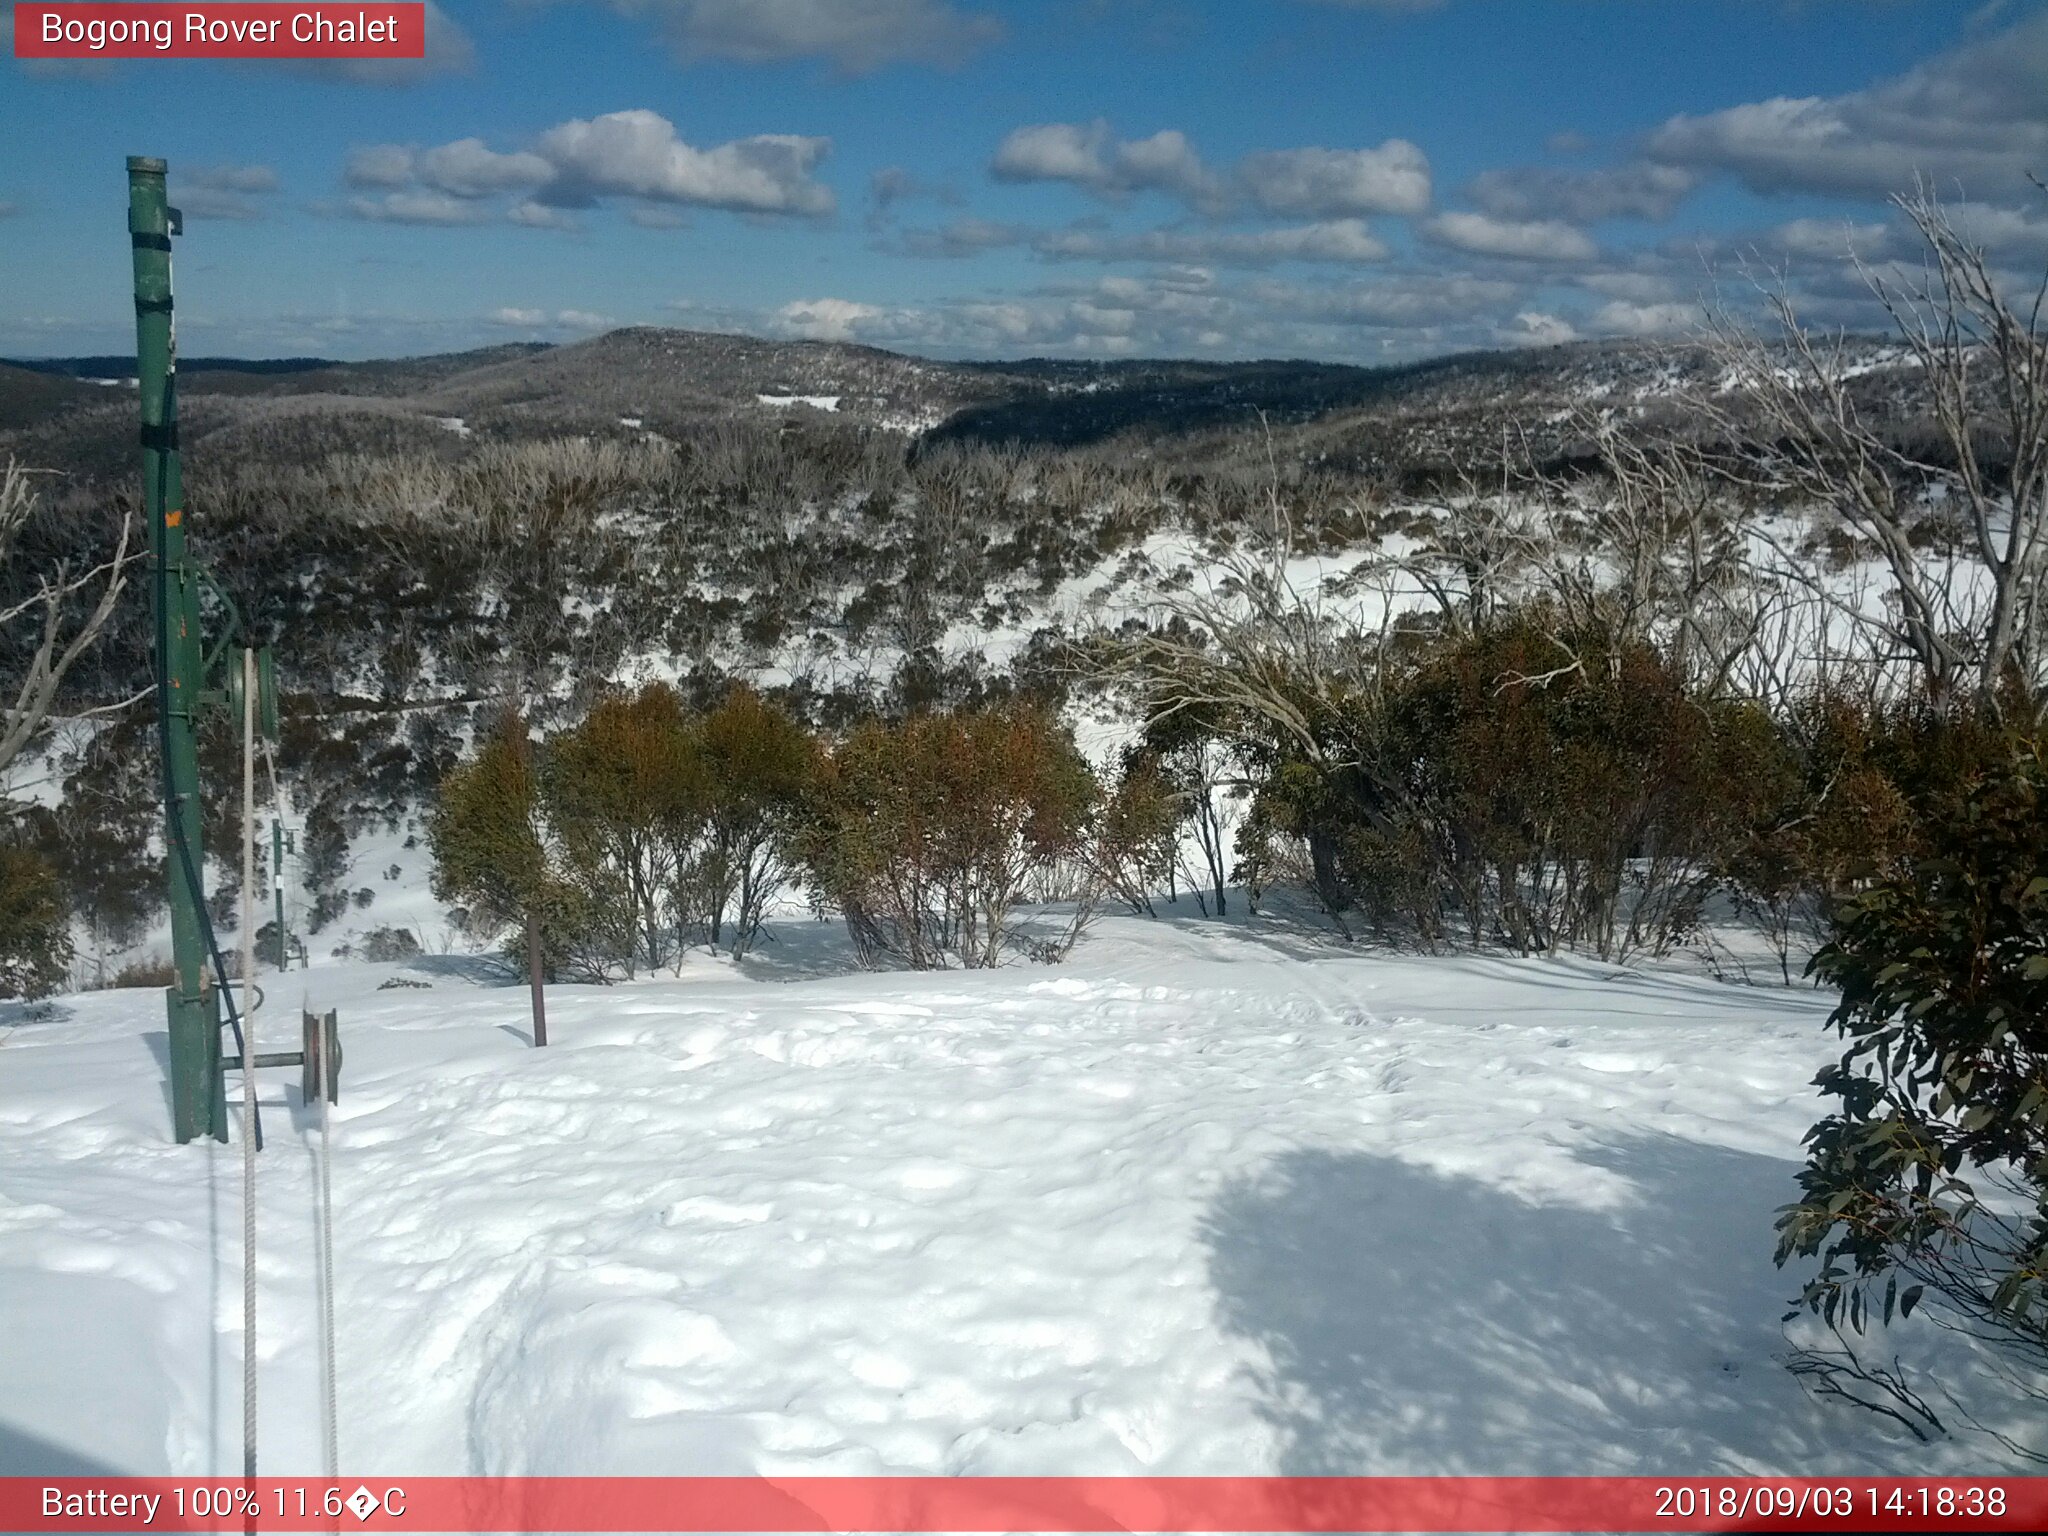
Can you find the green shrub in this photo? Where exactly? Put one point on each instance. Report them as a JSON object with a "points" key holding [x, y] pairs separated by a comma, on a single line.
{"points": [[927, 834], [1523, 788], [1943, 967]]}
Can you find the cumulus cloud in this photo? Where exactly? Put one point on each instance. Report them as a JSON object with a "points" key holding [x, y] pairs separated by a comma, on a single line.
{"points": [[1534, 328], [1831, 238], [1638, 190], [856, 35], [1086, 155], [1975, 116], [1336, 240], [634, 154], [1311, 183], [379, 165], [825, 319], [1412, 300], [2006, 231], [470, 168], [223, 191], [638, 154], [1053, 152], [1620, 317], [1521, 240], [1334, 183], [1168, 162]]}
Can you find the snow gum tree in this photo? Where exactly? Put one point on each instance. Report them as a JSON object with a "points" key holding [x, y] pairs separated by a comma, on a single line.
{"points": [[490, 853], [760, 771], [928, 833], [1929, 1178], [628, 792]]}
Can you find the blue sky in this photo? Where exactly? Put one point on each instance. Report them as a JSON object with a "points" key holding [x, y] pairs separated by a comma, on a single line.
{"points": [[1361, 180]]}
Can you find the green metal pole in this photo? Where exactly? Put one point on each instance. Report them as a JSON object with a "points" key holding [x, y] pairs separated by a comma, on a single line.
{"points": [[198, 1102]]}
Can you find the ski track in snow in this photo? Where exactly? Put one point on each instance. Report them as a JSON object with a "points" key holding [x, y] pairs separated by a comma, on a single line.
{"points": [[1192, 1203]]}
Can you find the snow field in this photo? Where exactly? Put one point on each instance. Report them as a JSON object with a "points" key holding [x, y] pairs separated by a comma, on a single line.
{"points": [[1211, 1198]]}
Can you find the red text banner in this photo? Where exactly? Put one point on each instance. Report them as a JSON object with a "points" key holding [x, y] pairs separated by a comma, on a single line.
{"points": [[213, 30], [987, 1504]]}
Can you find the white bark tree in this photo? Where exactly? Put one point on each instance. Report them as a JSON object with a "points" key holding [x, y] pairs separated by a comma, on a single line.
{"points": [[43, 633]]}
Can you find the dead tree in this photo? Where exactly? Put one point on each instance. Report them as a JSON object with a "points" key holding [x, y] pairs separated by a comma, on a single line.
{"points": [[1972, 627], [43, 631]]}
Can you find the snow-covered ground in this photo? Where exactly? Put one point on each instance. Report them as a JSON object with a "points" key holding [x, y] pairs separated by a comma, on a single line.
{"points": [[1209, 1198]]}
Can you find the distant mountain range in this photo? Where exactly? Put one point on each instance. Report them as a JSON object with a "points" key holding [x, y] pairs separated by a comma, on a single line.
{"points": [[645, 379]]}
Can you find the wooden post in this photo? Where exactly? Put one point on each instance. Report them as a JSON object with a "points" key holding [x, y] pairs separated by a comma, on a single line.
{"points": [[533, 977]]}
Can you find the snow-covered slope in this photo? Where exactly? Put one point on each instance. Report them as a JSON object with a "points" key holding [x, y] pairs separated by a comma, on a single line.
{"points": [[1210, 1198]]}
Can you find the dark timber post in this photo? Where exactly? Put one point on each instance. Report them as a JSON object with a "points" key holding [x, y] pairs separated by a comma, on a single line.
{"points": [[198, 1104]]}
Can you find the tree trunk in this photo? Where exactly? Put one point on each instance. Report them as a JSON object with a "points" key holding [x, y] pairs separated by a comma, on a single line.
{"points": [[533, 977]]}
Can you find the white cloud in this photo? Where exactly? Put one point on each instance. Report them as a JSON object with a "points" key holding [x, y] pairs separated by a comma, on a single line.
{"points": [[1053, 152], [1976, 115], [1638, 190], [1525, 240], [470, 168], [1336, 240], [1620, 317], [418, 207], [1307, 183], [825, 319], [634, 154], [1834, 239], [379, 165], [856, 35], [638, 154], [1332, 183], [1401, 302], [1311, 182], [2009, 231], [1167, 162], [1086, 155], [1534, 328], [514, 317], [223, 191]]}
